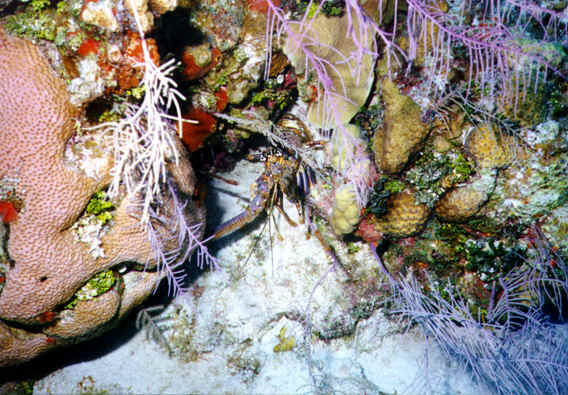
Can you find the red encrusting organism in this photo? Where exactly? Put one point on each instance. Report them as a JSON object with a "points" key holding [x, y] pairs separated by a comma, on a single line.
{"points": [[130, 70], [47, 316], [8, 212], [193, 134], [222, 99], [261, 6], [191, 70], [89, 45]]}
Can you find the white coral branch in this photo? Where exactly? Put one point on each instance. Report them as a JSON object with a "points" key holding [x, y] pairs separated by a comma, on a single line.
{"points": [[144, 139]]}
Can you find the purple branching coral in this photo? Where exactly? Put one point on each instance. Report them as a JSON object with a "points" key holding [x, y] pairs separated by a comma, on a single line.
{"points": [[512, 347], [172, 262], [532, 359], [504, 62]]}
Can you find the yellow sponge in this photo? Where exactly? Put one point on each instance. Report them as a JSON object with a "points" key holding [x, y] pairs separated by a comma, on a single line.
{"points": [[345, 212]]}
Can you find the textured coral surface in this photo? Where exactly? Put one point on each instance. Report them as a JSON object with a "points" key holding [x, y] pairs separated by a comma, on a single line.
{"points": [[404, 218], [402, 133], [47, 264]]}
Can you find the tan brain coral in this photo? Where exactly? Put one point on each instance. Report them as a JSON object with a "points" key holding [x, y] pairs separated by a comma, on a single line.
{"points": [[463, 202], [490, 148], [404, 217], [47, 263]]}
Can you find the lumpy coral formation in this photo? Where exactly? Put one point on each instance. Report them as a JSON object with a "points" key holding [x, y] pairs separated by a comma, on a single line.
{"points": [[47, 264], [405, 217], [490, 148], [402, 132], [345, 213]]}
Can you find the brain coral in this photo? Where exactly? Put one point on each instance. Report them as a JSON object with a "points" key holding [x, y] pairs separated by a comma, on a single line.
{"points": [[490, 148], [47, 264], [404, 217], [461, 203]]}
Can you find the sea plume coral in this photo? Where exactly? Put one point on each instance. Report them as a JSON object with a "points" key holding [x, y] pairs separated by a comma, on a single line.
{"points": [[513, 347], [504, 62]]}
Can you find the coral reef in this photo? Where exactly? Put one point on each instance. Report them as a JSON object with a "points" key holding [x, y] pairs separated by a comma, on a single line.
{"points": [[435, 131], [101, 14], [507, 351]]}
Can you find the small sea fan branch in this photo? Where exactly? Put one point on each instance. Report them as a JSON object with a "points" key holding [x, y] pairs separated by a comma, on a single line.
{"points": [[185, 238]]}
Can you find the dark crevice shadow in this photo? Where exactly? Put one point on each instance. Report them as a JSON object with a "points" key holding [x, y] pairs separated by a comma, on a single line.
{"points": [[89, 350]]}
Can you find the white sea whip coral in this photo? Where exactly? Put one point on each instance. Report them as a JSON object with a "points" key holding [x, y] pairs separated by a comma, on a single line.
{"points": [[144, 142], [144, 139]]}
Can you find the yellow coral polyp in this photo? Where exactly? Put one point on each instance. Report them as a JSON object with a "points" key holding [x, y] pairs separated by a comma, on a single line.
{"points": [[345, 213]]}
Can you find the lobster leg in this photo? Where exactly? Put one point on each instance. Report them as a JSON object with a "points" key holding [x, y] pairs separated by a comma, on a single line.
{"points": [[256, 206], [286, 216], [237, 222]]}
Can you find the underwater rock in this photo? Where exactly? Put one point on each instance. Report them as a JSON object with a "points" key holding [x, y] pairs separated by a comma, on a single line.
{"points": [[534, 186], [198, 60], [101, 13], [221, 21], [140, 8], [162, 6]]}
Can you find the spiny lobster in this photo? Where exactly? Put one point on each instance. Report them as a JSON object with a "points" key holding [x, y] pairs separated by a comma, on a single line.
{"points": [[284, 174]]}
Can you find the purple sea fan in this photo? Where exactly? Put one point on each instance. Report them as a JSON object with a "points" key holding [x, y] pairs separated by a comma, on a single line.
{"points": [[509, 45], [188, 241], [513, 347], [337, 54], [335, 58]]}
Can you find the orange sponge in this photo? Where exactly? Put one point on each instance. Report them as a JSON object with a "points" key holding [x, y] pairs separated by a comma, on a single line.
{"points": [[193, 134]]}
